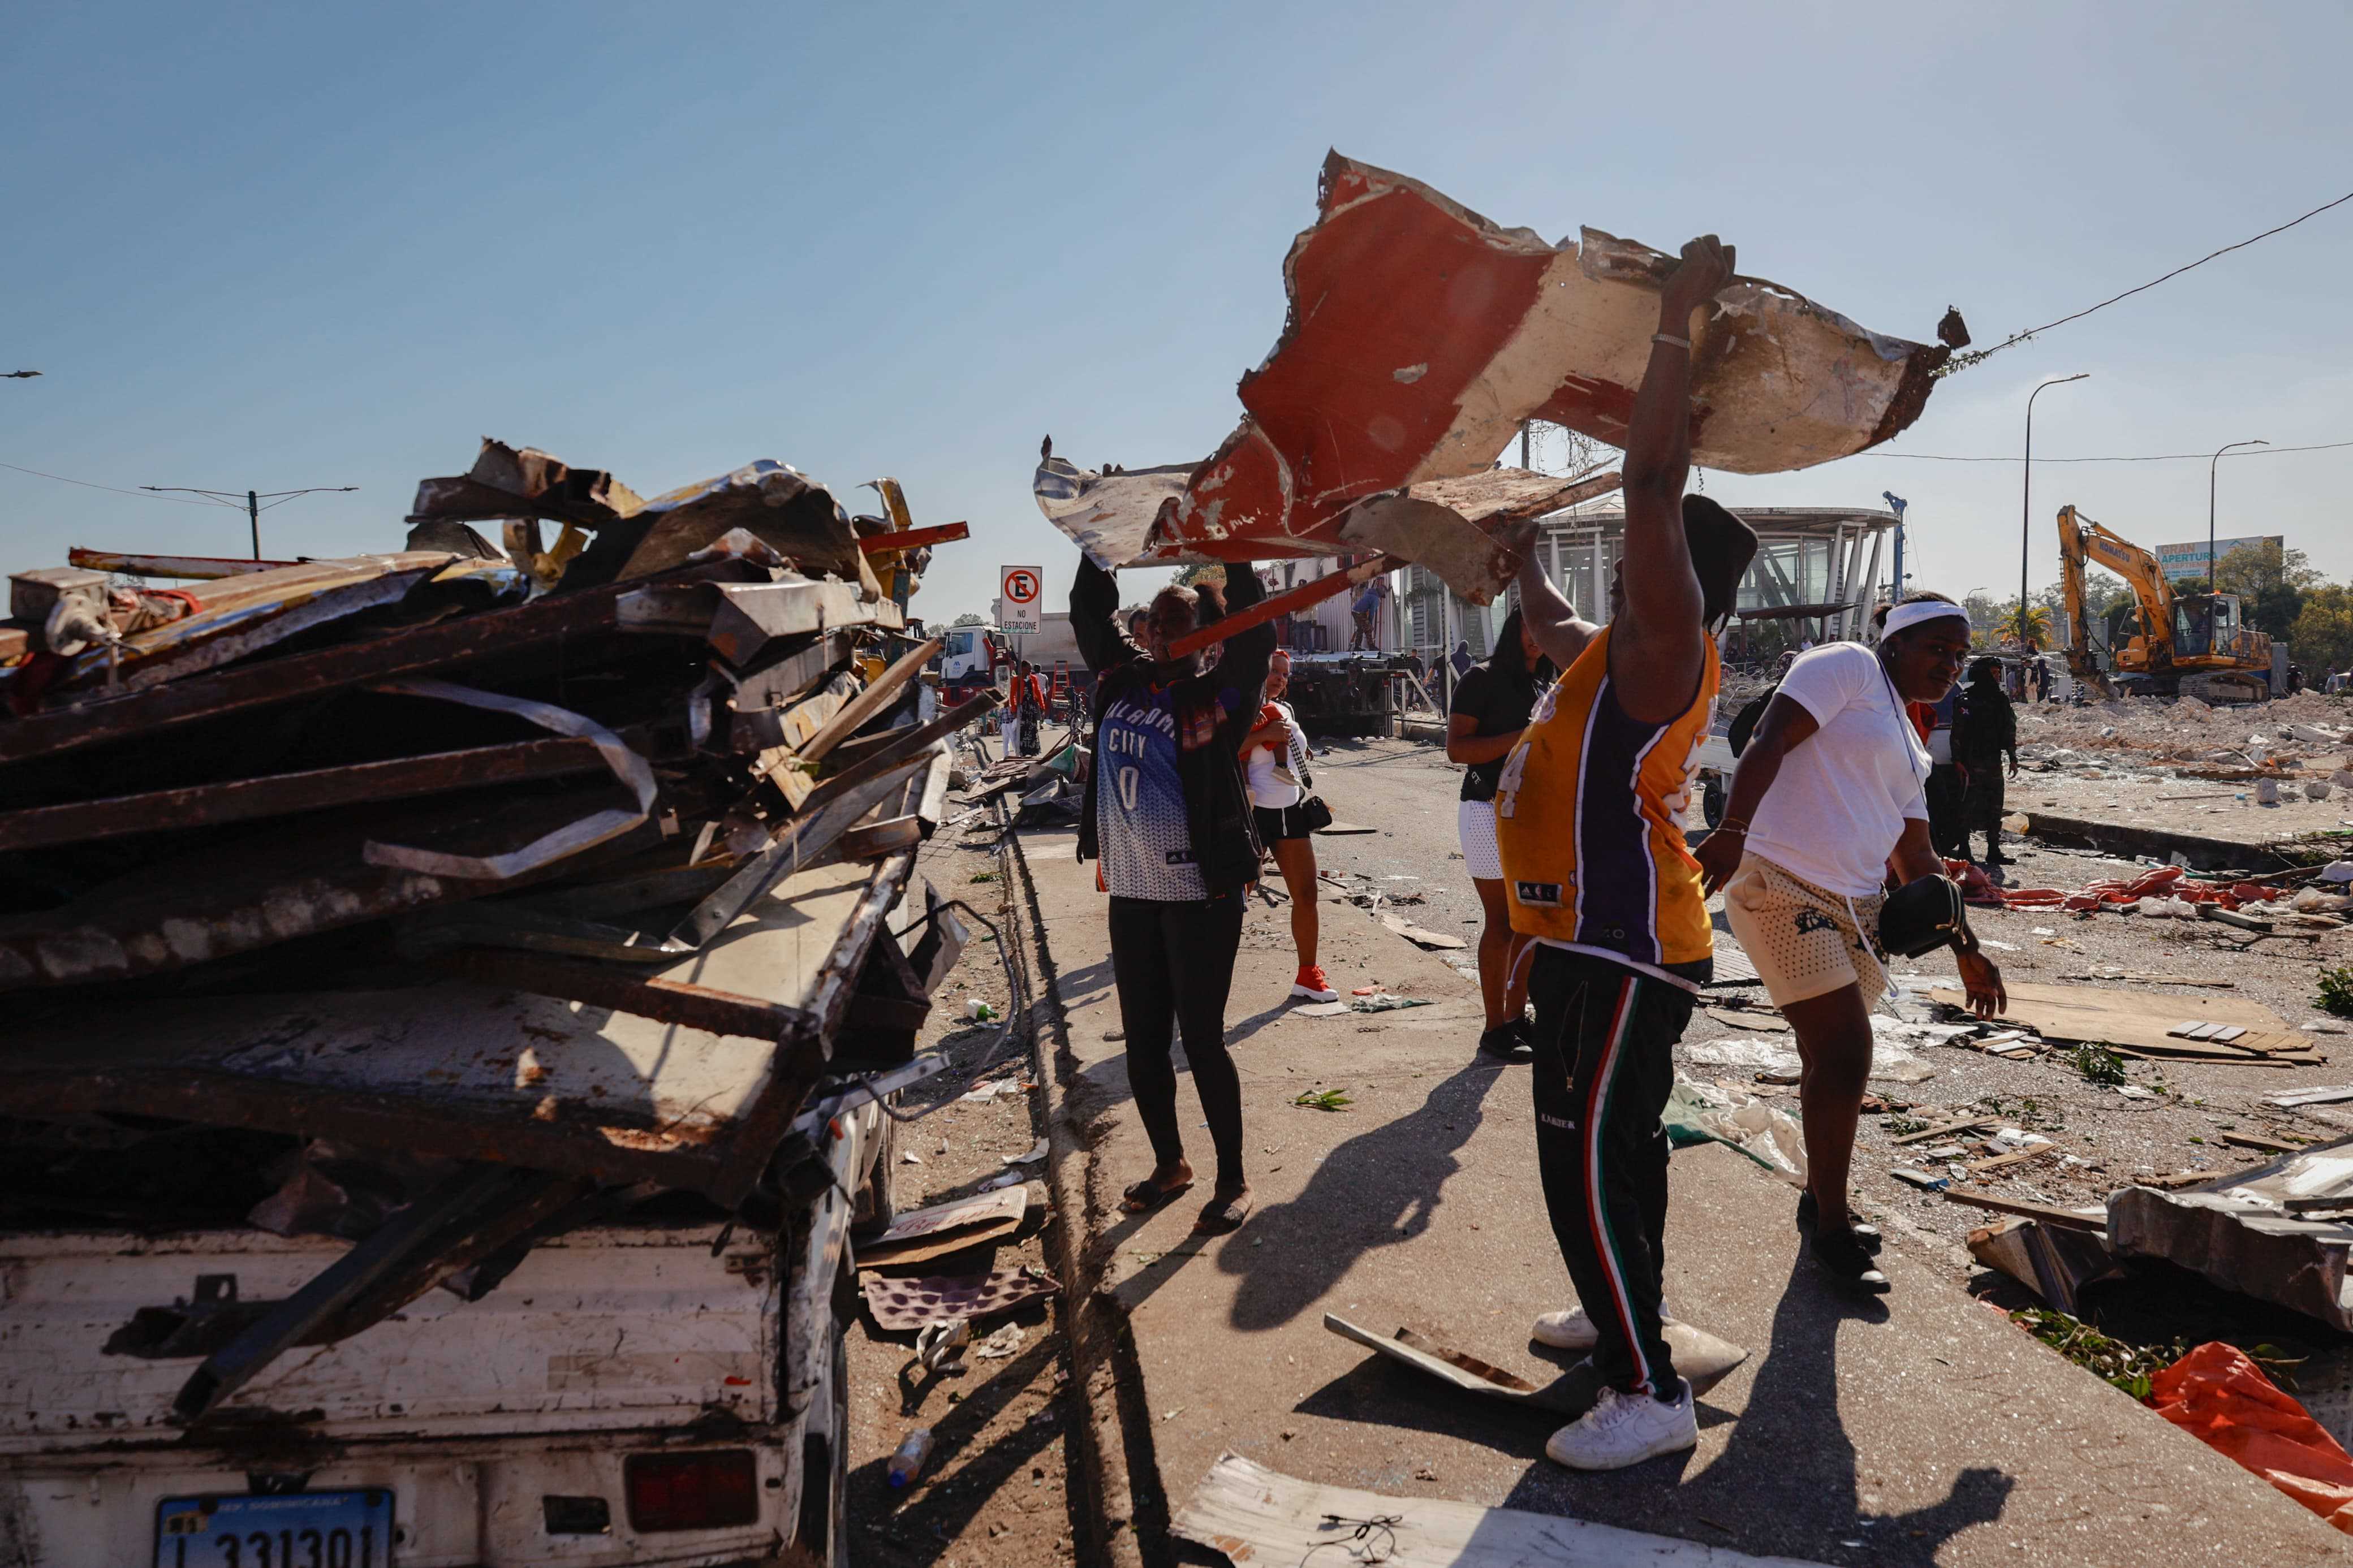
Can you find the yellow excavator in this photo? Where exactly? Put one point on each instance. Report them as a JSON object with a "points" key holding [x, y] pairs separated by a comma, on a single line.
{"points": [[2194, 644]]}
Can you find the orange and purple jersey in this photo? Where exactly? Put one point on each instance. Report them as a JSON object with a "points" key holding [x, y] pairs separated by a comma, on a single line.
{"points": [[1588, 820]]}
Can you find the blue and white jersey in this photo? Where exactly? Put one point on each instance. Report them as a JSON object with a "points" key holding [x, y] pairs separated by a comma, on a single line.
{"points": [[1144, 835]]}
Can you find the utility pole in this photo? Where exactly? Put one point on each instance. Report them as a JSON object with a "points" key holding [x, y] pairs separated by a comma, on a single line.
{"points": [[252, 505], [2214, 580]]}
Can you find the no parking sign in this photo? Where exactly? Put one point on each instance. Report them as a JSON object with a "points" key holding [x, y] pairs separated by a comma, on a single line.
{"points": [[1021, 590]]}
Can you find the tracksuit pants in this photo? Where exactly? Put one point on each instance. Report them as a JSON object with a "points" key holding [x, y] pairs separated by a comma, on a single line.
{"points": [[1604, 1067], [1173, 964]]}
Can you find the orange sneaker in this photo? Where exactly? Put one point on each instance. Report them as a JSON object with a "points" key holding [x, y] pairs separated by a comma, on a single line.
{"points": [[1312, 986]]}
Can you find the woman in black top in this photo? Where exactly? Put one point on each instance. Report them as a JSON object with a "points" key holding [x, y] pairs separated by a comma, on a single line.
{"points": [[1492, 701]]}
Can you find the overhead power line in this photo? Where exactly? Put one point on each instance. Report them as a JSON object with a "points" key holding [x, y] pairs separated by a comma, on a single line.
{"points": [[118, 489], [1963, 362], [2148, 457]]}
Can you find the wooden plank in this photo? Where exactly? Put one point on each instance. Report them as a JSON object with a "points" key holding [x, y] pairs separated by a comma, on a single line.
{"points": [[2045, 1212], [188, 568], [2084, 1013], [2262, 1145], [870, 701], [2015, 1157], [281, 794], [646, 996], [1927, 1134]]}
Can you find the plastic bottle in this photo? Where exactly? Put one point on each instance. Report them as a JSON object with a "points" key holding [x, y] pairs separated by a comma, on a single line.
{"points": [[908, 1462]]}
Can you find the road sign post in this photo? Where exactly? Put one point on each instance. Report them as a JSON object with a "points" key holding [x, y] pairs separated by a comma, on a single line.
{"points": [[1021, 589]]}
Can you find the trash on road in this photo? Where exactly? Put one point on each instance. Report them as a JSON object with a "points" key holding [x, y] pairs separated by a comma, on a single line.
{"points": [[946, 1228], [1323, 1099], [942, 1342], [2217, 1395], [2267, 1231], [1006, 1342], [1699, 1356], [1386, 1002], [2055, 1262], [1253, 1514], [908, 1459], [1422, 936], [1038, 1152], [1700, 1112], [905, 1306]]}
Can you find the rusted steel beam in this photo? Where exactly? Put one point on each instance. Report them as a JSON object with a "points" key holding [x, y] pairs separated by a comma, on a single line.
{"points": [[1289, 602], [491, 632], [664, 1001], [190, 568], [914, 538], [281, 794], [869, 703]]}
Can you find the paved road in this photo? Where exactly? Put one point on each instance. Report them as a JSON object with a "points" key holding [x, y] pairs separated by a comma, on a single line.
{"points": [[1927, 1431]]}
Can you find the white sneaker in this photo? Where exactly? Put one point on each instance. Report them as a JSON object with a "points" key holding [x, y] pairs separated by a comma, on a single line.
{"points": [[1573, 1330], [1625, 1429]]}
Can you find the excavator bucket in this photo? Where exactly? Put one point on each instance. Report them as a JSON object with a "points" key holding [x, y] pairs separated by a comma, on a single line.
{"points": [[1420, 336]]}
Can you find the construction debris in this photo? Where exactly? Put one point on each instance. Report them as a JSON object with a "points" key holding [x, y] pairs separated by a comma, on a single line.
{"points": [[443, 896], [2280, 1232]]}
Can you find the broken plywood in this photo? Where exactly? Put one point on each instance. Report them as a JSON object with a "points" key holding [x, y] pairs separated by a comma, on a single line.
{"points": [[2137, 1019], [1257, 1516]]}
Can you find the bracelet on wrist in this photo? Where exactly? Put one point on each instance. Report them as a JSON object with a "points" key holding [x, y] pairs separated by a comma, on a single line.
{"points": [[1672, 341]]}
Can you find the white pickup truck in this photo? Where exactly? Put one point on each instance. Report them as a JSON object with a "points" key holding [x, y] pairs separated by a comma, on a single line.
{"points": [[668, 1387], [649, 1379]]}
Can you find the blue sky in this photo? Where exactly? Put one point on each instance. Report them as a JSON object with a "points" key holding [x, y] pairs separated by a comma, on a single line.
{"points": [[320, 244]]}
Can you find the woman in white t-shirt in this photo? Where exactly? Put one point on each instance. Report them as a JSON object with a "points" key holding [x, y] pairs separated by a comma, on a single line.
{"points": [[1828, 800], [1274, 761]]}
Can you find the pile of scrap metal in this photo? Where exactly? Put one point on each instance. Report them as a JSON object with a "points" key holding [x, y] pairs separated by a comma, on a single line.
{"points": [[1420, 337], [435, 897]]}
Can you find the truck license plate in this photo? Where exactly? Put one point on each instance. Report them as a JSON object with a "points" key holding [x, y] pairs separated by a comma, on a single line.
{"points": [[299, 1529]]}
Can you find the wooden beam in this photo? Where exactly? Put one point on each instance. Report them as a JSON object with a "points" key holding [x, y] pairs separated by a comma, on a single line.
{"points": [[2044, 1212], [869, 703], [282, 794], [601, 985], [914, 538]]}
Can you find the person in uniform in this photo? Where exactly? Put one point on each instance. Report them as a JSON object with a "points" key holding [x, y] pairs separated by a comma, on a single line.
{"points": [[1588, 824]]}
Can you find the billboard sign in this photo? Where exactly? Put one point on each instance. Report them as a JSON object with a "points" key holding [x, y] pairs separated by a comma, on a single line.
{"points": [[2188, 560]]}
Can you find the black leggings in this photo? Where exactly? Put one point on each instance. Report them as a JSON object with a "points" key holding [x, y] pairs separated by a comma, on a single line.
{"points": [[1174, 963]]}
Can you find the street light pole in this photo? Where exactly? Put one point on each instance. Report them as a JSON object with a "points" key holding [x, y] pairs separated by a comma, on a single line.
{"points": [[2212, 585], [252, 500], [2026, 499]]}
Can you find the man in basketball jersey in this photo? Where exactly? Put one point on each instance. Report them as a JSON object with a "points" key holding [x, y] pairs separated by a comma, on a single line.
{"points": [[1588, 820]]}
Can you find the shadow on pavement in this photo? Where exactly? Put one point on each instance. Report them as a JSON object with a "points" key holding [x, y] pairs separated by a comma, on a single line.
{"points": [[1377, 1189], [1785, 1482]]}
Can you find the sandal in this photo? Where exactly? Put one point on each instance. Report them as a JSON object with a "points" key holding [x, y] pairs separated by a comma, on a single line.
{"points": [[1148, 1195], [1223, 1215]]}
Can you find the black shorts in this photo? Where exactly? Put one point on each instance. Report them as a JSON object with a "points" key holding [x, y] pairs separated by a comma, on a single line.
{"points": [[1290, 822]]}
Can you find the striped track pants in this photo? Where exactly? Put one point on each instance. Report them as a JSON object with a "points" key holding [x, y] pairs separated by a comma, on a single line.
{"points": [[1604, 1066]]}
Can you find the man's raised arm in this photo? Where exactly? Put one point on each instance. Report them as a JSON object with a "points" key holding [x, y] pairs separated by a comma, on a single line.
{"points": [[1660, 624]]}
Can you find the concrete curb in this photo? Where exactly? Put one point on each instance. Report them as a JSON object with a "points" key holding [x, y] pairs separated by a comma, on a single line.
{"points": [[1103, 1378]]}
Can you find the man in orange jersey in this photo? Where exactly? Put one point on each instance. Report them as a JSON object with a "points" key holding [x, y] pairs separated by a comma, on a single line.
{"points": [[1588, 820]]}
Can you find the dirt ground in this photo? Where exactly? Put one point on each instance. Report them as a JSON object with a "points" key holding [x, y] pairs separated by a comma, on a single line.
{"points": [[995, 1492]]}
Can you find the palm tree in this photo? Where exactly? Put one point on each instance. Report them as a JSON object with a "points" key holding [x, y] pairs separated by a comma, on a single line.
{"points": [[2038, 625]]}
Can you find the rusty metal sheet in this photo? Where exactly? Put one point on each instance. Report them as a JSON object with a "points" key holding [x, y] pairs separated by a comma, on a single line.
{"points": [[492, 632], [487, 1072], [1421, 335], [524, 482], [190, 568], [245, 614], [777, 505]]}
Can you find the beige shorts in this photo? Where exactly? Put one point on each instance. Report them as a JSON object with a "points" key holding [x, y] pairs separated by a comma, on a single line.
{"points": [[1805, 940]]}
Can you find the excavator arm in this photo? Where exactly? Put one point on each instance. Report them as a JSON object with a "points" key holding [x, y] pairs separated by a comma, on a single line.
{"points": [[2146, 577], [2080, 663]]}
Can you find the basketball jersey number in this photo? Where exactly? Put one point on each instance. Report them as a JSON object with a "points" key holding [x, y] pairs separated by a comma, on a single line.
{"points": [[1130, 781], [1507, 782]]}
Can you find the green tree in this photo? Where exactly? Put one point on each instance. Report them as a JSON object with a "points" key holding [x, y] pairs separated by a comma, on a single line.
{"points": [[2271, 582], [2321, 636], [969, 619]]}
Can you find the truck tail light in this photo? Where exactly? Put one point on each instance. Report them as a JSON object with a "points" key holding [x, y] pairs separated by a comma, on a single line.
{"points": [[693, 1491]]}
